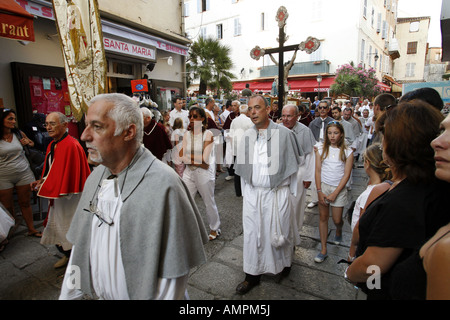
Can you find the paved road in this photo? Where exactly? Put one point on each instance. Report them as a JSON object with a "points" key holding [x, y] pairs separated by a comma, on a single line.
{"points": [[27, 273]]}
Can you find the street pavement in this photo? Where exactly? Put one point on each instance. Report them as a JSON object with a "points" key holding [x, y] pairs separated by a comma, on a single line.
{"points": [[27, 273]]}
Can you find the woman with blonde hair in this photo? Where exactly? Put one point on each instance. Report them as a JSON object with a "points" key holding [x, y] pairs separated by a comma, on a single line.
{"points": [[379, 177]]}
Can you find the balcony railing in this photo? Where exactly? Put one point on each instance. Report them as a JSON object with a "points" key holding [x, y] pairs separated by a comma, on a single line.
{"points": [[310, 67]]}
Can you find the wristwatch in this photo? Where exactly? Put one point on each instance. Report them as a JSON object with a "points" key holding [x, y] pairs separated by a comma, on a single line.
{"points": [[346, 277]]}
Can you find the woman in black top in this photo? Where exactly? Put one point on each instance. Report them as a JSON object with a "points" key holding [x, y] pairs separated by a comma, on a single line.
{"points": [[406, 215]]}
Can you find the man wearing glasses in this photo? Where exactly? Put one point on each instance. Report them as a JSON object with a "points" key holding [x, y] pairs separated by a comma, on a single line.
{"points": [[64, 173], [318, 127], [136, 232]]}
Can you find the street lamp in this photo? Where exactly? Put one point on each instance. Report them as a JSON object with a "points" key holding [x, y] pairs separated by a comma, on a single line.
{"points": [[319, 80]]}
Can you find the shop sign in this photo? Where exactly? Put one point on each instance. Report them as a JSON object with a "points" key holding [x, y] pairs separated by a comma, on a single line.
{"points": [[129, 49], [140, 85], [15, 22]]}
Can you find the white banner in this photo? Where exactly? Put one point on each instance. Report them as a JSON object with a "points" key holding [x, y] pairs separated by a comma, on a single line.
{"points": [[80, 32]]}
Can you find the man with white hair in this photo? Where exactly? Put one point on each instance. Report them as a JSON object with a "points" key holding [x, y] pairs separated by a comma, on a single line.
{"points": [[238, 126], [155, 137], [305, 175], [136, 232], [64, 174]]}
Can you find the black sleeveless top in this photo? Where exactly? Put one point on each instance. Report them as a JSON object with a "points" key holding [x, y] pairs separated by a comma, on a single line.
{"points": [[409, 279]]}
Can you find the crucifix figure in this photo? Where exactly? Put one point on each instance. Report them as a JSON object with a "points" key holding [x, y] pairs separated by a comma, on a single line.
{"points": [[310, 45]]}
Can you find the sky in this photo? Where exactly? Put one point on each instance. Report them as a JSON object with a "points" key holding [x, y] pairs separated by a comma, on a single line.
{"points": [[420, 8]]}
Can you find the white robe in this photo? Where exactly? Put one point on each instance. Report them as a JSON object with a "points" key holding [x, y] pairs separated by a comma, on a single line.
{"points": [[270, 232]]}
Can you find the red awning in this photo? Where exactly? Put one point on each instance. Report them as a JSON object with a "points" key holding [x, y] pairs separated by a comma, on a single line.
{"points": [[384, 87], [302, 85], [15, 22], [310, 85]]}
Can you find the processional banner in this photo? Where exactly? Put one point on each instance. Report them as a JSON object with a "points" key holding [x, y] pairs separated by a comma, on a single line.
{"points": [[80, 33]]}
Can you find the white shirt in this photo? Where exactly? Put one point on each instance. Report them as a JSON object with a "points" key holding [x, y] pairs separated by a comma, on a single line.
{"points": [[332, 166], [183, 114]]}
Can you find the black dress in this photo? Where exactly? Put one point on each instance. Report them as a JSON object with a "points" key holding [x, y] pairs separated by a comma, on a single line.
{"points": [[405, 217]]}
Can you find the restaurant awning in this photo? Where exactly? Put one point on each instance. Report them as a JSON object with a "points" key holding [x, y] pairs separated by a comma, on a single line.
{"points": [[311, 85], [15, 22], [302, 85], [384, 87]]}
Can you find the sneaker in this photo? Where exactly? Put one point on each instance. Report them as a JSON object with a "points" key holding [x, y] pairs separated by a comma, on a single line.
{"points": [[320, 257], [337, 240], [213, 234], [228, 178], [312, 204]]}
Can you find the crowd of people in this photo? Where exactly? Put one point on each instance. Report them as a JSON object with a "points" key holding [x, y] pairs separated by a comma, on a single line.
{"points": [[124, 215]]}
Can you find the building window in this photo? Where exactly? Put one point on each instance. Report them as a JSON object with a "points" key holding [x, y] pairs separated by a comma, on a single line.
{"points": [[363, 47], [203, 32], [186, 9], [317, 55], [412, 47], [262, 21], [237, 27], [384, 32], [410, 69], [372, 17], [414, 26], [202, 5], [219, 29], [365, 9]]}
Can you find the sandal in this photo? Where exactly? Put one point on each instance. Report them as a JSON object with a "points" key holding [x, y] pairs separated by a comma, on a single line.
{"points": [[36, 234], [213, 234]]}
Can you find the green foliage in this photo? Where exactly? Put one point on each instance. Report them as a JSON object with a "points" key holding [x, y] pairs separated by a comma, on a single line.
{"points": [[210, 62], [356, 82]]}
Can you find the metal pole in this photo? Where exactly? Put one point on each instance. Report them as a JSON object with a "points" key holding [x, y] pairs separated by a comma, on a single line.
{"points": [[281, 71]]}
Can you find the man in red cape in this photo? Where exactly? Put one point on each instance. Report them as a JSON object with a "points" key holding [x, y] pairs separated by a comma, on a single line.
{"points": [[155, 137], [64, 173]]}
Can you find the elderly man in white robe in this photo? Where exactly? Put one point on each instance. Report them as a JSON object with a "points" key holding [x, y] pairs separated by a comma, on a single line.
{"points": [[305, 175], [136, 232], [267, 162]]}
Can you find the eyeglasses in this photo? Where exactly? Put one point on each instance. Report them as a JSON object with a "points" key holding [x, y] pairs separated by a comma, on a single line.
{"points": [[94, 210], [50, 124], [391, 106], [322, 107], [195, 116], [333, 122]]}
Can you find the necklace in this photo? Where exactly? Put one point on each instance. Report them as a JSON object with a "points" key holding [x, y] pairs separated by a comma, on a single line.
{"points": [[147, 134], [8, 138]]}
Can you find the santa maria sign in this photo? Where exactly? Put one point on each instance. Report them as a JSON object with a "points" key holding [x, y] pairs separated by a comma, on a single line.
{"points": [[129, 49]]}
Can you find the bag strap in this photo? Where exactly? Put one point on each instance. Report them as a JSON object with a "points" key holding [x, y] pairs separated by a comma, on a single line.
{"points": [[20, 137]]}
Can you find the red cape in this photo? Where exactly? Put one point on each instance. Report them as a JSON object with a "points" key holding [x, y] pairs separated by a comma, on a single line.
{"points": [[68, 172], [158, 141]]}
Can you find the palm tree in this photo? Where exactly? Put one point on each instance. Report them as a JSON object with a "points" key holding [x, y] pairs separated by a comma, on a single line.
{"points": [[210, 62]]}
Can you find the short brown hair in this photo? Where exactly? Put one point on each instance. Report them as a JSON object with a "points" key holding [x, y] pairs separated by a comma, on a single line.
{"points": [[409, 129]]}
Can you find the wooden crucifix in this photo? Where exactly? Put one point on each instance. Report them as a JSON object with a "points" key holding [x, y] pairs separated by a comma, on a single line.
{"points": [[310, 45]]}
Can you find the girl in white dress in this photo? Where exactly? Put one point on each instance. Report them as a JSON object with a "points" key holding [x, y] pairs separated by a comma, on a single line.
{"points": [[334, 161]]}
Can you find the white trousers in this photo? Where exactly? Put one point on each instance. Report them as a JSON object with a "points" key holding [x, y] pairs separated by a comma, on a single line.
{"points": [[200, 180]]}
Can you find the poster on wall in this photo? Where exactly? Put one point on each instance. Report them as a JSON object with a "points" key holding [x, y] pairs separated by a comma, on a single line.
{"points": [[51, 95]]}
